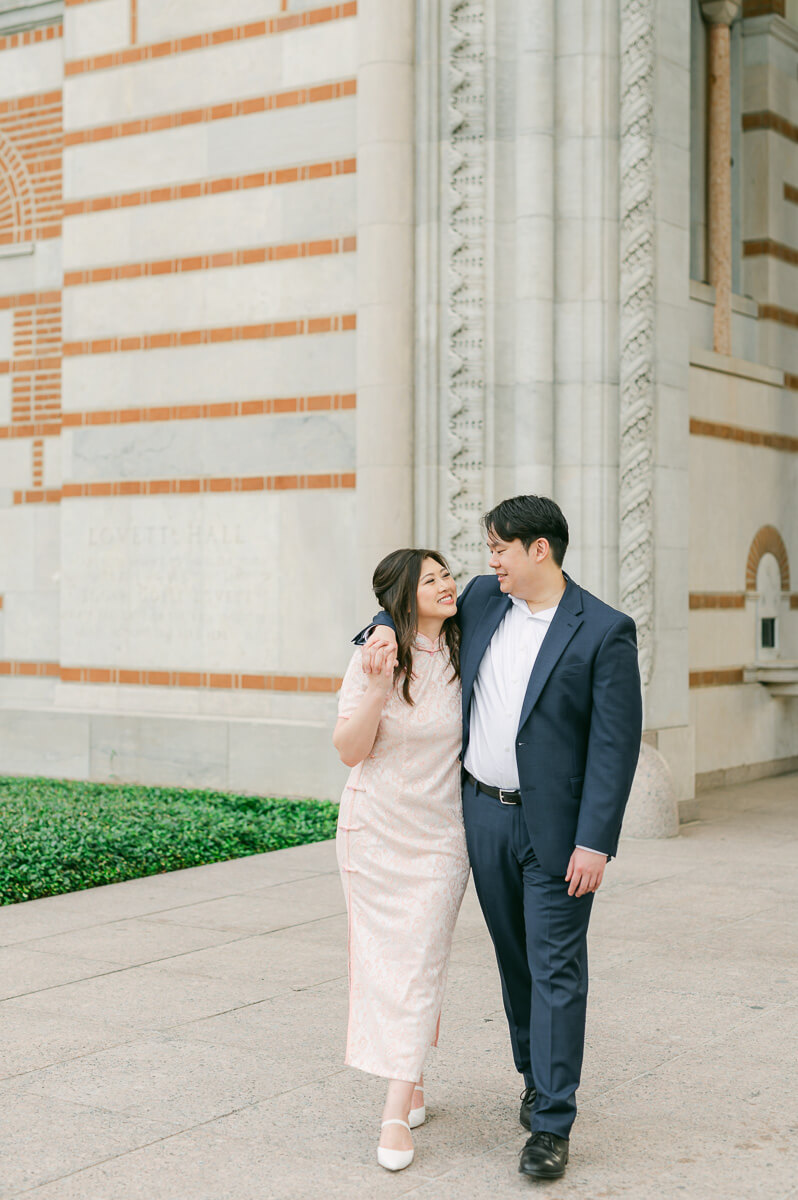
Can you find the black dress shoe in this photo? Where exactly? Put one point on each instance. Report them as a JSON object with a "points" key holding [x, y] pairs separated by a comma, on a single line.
{"points": [[544, 1156], [527, 1102]]}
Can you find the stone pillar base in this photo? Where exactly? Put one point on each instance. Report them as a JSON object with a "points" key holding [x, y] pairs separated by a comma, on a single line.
{"points": [[653, 810]]}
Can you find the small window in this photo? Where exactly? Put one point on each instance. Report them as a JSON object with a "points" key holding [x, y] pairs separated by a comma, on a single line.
{"points": [[768, 633]]}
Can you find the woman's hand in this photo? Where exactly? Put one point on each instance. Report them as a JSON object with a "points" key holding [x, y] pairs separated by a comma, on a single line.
{"points": [[379, 667]]}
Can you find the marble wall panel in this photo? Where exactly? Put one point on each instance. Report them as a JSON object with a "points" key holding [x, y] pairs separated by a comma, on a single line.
{"points": [[317, 613], [16, 463], [284, 759], [18, 559], [31, 625], [741, 725], [212, 582], [722, 638], [233, 146], [214, 75], [160, 20], [307, 211], [29, 70], [257, 445], [37, 268], [187, 752], [736, 489], [52, 744], [96, 28], [144, 160], [727, 398], [260, 293], [45, 529], [178, 582], [299, 366], [308, 133]]}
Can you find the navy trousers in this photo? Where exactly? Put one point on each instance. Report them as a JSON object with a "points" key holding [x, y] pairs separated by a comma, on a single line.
{"points": [[539, 933]]}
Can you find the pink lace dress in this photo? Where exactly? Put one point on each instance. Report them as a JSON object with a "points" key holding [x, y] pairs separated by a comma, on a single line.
{"points": [[404, 865]]}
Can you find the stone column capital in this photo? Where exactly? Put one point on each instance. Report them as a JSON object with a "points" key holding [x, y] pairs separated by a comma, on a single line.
{"points": [[720, 12]]}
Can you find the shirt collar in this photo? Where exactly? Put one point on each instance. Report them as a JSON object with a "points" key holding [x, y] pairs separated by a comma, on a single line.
{"points": [[546, 614]]}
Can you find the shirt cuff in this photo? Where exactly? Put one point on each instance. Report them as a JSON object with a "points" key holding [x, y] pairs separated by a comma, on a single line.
{"points": [[591, 851]]}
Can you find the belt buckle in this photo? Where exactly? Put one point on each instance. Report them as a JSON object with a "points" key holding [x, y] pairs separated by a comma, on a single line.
{"points": [[512, 803]]}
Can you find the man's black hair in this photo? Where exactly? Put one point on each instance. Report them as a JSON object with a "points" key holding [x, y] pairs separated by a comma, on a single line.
{"points": [[529, 518]]}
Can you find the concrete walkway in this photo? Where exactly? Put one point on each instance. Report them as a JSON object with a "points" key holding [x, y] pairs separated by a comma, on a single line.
{"points": [[180, 1037]]}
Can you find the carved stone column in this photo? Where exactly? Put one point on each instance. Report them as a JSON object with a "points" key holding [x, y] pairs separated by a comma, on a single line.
{"points": [[385, 217], [719, 15]]}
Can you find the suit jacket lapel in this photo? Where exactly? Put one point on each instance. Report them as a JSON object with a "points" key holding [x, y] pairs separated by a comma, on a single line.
{"points": [[564, 625], [491, 618]]}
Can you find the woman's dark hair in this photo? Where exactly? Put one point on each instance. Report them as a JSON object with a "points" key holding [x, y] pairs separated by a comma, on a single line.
{"points": [[395, 584], [529, 518]]}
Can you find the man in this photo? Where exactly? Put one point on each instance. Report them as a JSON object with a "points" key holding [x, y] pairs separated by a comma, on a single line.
{"points": [[552, 720]]}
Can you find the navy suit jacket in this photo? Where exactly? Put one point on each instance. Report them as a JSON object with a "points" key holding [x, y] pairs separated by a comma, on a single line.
{"points": [[578, 739]]}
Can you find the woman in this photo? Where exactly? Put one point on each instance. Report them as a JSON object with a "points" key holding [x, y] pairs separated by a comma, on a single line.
{"points": [[401, 844]]}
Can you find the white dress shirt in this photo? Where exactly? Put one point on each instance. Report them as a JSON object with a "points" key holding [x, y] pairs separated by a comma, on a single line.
{"points": [[499, 691]]}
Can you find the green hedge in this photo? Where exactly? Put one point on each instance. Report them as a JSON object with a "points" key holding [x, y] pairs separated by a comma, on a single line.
{"points": [[61, 836]]}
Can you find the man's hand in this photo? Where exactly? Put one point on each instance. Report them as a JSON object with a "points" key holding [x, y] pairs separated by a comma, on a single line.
{"points": [[380, 669], [382, 640], [585, 872]]}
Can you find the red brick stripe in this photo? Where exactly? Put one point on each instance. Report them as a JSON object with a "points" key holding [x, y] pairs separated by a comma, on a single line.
{"points": [[28, 299], [185, 487], [204, 337], [791, 193], [751, 437], [791, 381], [756, 247], [717, 600], [33, 104], [28, 668], [784, 316], [212, 187], [766, 119], [31, 37], [215, 112], [716, 678], [180, 679], [342, 323], [36, 429], [200, 41], [278, 405], [759, 8], [208, 262], [191, 412]]}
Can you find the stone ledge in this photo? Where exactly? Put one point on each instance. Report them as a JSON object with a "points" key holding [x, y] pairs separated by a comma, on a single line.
{"points": [[772, 25], [740, 367], [706, 781], [705, 294], [16, 16]]}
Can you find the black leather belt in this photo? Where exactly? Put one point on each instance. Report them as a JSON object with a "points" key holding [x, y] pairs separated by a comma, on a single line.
{"points": [[506, 795]]}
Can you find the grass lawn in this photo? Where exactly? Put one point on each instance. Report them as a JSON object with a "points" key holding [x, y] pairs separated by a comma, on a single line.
{"points": [[61, 836]]}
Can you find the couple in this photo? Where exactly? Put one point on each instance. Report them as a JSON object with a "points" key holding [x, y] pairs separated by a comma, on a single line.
{"points": [[533, 683]]}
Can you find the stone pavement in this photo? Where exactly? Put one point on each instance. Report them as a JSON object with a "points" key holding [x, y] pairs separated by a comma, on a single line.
{"points": [[180, 1037]]}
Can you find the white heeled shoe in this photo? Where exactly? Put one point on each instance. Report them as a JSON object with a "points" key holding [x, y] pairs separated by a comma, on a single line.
{"points": [[394, 1160], [418, 1115]]}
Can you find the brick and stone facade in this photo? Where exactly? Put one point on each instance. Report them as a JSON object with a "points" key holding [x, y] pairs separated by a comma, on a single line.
{"points": [[284, 285]]}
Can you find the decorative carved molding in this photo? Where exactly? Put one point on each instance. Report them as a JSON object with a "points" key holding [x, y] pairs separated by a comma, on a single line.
{"points": [[636, 484], [464, 325]]}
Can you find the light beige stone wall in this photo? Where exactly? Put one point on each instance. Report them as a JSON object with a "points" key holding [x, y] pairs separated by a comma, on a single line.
{"points": [[743, 479]]}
